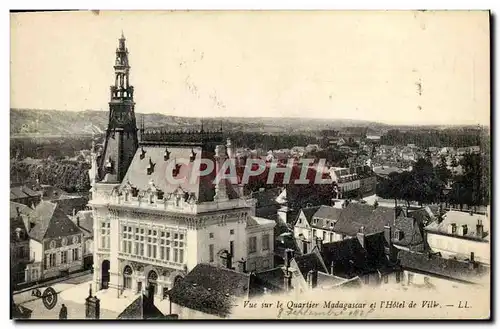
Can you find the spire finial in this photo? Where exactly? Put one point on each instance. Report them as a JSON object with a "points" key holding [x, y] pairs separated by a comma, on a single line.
{"points": [[123, 37]]}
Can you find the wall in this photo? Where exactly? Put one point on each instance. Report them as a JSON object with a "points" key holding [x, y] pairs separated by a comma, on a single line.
{"points": [[450, 246], [262, 259]]}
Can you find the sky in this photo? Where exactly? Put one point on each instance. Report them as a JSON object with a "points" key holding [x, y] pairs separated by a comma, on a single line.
{"points": [[316, 64]]}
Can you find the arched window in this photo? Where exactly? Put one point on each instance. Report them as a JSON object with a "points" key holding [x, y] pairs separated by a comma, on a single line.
{"points": [[127, 277], [152, 280]]}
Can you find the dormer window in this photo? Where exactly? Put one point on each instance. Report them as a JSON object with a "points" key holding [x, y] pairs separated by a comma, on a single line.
{"points": [[166, 155], [176, 170], [151, 167], [193, 156], [19, 233], [143, 153]]}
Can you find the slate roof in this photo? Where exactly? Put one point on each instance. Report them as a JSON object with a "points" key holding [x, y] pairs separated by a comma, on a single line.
{"points": [[141, 308], [309, 262], [211, 289], [461, 218], [85, 222], [325, 216], [411, 233], [350, 259], [20, 192], [326, 281], [272, 279], [308, 213], [68, 202], [51, 222], [137, 173], [355, 215], [434, 264]]}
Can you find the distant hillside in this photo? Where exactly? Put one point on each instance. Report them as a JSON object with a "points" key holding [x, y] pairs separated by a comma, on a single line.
{"points": [[54, 122]]}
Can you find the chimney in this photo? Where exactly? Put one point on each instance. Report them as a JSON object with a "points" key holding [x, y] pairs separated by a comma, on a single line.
{"points": [[288, 257], [472, 257], [78, 221], [92, 306], [288, 280], [479, 229], [18, 212], [242, 266], [361, 236], [332, 267], [312, 279]]}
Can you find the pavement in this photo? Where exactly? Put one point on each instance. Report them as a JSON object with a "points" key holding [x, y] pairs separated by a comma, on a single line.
{"points": [[73, 292]]}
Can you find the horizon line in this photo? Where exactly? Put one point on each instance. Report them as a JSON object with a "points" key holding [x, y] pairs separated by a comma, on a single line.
{"points": [[270, 117]]}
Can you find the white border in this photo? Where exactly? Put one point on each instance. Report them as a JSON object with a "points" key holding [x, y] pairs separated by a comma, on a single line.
{"points": [[192, 5]]}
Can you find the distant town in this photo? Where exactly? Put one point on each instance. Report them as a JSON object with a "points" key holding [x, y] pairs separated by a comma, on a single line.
{"points": [[98, 232]]}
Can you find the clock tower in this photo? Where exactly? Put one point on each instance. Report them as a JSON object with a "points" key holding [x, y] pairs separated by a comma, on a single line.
{"points": [[121, 135]]}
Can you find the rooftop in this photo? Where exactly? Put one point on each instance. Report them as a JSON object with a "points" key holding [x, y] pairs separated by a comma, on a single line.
{"points": [[461, 219]]}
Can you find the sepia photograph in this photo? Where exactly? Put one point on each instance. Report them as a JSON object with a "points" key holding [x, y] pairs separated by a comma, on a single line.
{"points": [[250, 165]]}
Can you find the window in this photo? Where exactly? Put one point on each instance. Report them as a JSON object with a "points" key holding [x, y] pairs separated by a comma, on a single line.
{"points": [[265, 242], [139, 242], [178, 247], [410, 278], [314, 233], [75, 254], [64, 257], [105, 237], [127, 238], [52, 260], [231, 232], [64, 242], [252, 244], [324, 236], [211, 252], [265, 264], [211, 235], [331, 237], [127, 277]]}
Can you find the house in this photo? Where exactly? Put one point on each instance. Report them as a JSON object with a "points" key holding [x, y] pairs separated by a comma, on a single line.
{"points": [[55, 243], [371, 257], [430, 269], [25, 195], [209, 292], [458, 234], [260, 235], [19, 247], [85, 222]]}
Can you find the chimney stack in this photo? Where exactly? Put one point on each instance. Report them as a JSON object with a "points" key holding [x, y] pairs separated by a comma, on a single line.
{"points": [[361, 236], [472, 257], [332, 267], [288, 257], [288, 280], [479, 229], [312, 279]]}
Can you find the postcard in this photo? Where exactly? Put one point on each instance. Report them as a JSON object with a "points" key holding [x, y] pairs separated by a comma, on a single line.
{"points": [[179, 165]]}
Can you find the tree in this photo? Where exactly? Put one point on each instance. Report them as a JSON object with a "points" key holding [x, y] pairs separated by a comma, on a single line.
{"points": [[442, 171]]}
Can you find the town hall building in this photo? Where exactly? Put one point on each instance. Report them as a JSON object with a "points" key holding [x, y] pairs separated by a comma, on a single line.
{"points": [[150, 231]]}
